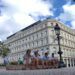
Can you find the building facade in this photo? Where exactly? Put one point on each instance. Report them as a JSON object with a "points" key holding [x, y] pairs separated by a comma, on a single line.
{"points": [[41, 36]]}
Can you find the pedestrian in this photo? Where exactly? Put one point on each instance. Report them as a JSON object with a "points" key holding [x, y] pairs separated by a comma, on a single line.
{"points": [[6, 61], [20, 61], [45, 60], [27, 58], [36, 55]]}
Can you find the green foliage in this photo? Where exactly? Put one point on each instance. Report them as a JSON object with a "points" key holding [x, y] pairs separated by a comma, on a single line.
{"points": [[20, 62], [2, 65], [13, 63], [3, 50]]}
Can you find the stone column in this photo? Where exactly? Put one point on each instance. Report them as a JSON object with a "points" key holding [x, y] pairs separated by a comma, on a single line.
{"points": [[73, 62], [70, 62], [67, 62]]}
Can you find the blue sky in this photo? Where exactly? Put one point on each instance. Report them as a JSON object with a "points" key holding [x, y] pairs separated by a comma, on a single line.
{"points": [[17, 14]]}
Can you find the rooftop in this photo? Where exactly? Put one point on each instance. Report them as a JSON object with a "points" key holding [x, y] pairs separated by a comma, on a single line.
{"points": [[36, 23]]}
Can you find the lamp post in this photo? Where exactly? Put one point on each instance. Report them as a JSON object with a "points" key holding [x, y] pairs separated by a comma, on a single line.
{"points": [[57, 31]]}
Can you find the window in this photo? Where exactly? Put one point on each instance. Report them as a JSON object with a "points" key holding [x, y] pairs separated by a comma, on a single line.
{"points": [[41, 34], [47, 48], [26, 39], [33, 44], [46, 40], [29, 44], [33, 37], [29, 38], [22, 41], [41, 42], [26, 45], [37, 43], [37, 35], [46, 31]]}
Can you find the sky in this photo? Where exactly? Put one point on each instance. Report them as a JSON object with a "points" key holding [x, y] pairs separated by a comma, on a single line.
{"points": [[18, 14]]}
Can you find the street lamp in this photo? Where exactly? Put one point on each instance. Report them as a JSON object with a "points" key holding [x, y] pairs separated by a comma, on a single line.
{"points": [[57, 31]]}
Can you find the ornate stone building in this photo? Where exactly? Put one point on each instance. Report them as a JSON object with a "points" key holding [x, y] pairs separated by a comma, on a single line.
{"points": [[41, 36]]}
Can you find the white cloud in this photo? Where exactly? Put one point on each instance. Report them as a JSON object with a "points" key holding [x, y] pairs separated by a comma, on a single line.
{"points": [[3, 18], [71, 11], [30, 6], [65, 17], [68, 14], [23, 19], [15, 14], [73, 24], [7, 28]]}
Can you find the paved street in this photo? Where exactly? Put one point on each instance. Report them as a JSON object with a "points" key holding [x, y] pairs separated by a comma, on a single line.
{"points": [[63, 71]]}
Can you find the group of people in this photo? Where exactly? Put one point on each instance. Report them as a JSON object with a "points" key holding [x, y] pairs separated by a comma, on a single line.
{"points": [[28, 57], [36, 56], [35, 60]]}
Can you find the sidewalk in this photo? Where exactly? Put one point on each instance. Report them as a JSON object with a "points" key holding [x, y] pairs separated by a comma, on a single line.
{"points": [[62, 71], [2, 69]]}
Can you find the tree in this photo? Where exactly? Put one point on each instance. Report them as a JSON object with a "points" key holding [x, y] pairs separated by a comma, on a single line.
{"points": [[4, 50]]}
